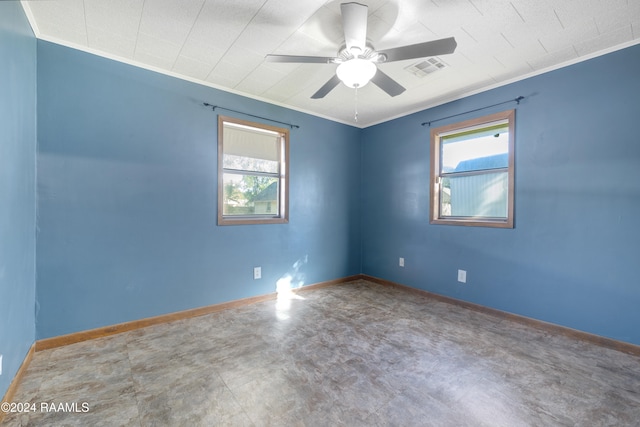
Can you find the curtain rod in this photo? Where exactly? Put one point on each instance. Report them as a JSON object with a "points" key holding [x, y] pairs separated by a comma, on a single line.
{"points": [[517, 100], [213, 107]]}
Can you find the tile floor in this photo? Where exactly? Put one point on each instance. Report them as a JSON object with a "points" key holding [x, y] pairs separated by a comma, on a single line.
{"points": [[359, 354]]}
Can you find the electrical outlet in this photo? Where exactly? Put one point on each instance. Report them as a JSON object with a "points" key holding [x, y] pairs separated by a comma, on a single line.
{"points": [[401, 262], [462, 276], [0, 364], [257, 273]]}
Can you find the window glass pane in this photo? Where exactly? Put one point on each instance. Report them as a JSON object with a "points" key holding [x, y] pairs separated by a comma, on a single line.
{"points": [[483, 195], [479, 149], [250, 195]]}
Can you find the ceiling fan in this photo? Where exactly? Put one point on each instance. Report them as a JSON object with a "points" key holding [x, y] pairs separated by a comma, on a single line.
{"points": [[357, 59]]}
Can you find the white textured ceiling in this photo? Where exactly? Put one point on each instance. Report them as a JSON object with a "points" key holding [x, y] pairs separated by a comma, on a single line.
{"points": [[222, 43]]}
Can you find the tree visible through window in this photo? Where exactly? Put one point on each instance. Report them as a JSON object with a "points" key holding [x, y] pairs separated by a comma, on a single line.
{"points": [[472, 172], [252, 172]]}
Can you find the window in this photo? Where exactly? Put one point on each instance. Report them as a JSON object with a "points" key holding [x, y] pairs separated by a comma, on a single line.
{"points": [[253, 166], [472, 176]]}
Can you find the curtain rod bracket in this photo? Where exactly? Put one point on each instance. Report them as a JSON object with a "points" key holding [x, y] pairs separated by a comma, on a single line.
{"points": [[213, 107]]}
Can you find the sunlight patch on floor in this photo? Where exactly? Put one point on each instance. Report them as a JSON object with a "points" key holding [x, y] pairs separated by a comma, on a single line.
{"points": [[284, 288]]}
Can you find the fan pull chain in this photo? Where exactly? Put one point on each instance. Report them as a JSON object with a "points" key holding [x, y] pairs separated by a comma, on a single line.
{"points": [[356, 106]]}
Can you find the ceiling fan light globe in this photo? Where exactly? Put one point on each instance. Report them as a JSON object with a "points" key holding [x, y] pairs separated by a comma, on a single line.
{"points": [[356, 72]]}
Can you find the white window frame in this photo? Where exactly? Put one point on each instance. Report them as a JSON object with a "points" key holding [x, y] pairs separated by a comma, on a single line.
{"points": [[282, 216], [437, 135]]}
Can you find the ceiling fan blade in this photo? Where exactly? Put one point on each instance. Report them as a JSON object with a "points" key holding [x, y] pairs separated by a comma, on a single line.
{"points": [[420, 50], [300, 59], [326, 88], [387, 84], [354, 24]]}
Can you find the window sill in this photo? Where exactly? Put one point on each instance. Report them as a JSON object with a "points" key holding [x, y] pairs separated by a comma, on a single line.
{"points": [[250, 221], [475, 222]]}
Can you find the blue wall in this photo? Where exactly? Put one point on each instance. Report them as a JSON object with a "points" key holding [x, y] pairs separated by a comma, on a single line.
{"points": [[17, 188], [127, 186], [573, 255]]}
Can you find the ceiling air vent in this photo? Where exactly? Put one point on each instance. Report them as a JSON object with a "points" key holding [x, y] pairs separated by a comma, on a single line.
{"points": [[428, 66]]}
